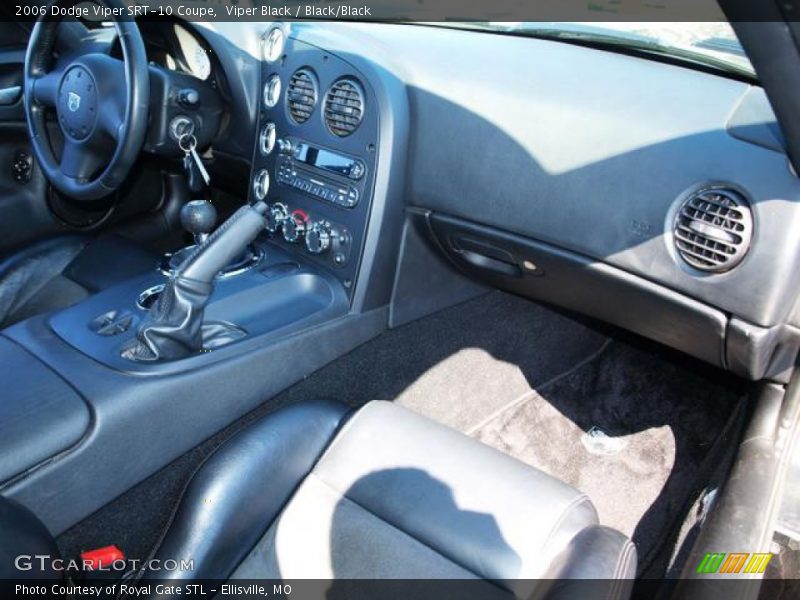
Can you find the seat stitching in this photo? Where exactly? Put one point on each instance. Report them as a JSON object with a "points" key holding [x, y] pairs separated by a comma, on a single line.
{"points": [[139, 574], [338, 435], [622, 560], [574, 503]]}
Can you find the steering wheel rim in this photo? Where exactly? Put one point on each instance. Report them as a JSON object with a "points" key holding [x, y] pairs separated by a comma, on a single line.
{"points": [[95, 112]]}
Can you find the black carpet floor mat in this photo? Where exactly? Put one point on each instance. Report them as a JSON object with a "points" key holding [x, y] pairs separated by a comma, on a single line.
{"points": [[460, 365], [526, 380], [639, 435]]}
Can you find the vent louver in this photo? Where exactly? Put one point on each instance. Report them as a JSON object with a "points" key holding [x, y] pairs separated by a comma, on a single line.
{"points": [[344, 107], [713, 229], [301, 95]]}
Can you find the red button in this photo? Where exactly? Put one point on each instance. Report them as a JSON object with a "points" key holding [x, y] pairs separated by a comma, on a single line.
{"points": [[101, 558]]}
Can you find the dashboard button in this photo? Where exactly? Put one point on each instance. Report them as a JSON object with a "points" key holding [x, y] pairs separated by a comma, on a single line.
{"points": [[357, 170], [318, 238], [276, 215], [294, 226]]}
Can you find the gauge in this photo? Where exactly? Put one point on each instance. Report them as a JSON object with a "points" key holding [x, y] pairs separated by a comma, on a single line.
{"points": [[273, 44], [267, 138], [195, 54], [200, 63], [272, 91], [261, 184]]}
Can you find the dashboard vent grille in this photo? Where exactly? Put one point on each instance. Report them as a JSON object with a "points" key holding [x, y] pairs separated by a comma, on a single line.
{"points": [[713, 229], [344, 107], [301, 95]]}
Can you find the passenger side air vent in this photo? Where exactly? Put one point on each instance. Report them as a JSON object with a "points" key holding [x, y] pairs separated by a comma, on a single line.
{"points": [[713, 229], [301, 95], [344, 107]]}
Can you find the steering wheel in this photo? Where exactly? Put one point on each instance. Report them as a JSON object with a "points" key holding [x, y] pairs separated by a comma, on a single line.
{"points": [[101, 105]]}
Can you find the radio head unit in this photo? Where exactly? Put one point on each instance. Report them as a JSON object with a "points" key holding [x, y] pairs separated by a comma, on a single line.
{"points": [[327, 160], [322, 188]]}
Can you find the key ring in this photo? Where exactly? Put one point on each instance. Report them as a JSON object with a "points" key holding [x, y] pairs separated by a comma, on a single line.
{"points": [[190, 147]]}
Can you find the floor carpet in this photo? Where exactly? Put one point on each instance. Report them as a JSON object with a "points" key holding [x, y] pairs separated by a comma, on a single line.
{"points": [[632, 431], [634, 426]]}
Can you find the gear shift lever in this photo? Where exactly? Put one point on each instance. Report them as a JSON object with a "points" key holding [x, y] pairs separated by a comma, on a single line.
{"points": [[199, 217], [173, 327]]}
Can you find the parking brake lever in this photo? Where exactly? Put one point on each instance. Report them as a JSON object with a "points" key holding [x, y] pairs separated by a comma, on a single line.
{"points": [[173, 327]]}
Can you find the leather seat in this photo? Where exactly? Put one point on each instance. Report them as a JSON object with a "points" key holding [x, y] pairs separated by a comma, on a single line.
{"points": [[313, 492], [62, 271]]}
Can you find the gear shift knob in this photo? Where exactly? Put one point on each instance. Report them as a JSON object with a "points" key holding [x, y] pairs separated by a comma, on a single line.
{"points": [[199, 217]]}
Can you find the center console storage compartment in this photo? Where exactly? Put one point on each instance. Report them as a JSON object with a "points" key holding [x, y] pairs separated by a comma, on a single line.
{"points": [[41, 416]]}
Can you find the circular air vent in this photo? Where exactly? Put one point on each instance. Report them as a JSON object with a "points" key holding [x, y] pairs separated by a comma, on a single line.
{"points": [[344, 107], [713, 229], [301, 95]]}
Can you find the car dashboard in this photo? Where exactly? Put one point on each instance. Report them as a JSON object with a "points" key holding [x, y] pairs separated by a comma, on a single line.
{"points": [[656, 197], [403, 178]]}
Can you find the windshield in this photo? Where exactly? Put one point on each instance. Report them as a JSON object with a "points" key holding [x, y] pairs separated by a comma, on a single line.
{"points": [[711, 44]]}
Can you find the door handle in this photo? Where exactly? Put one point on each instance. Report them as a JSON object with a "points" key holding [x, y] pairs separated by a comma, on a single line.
{"points": [[486, 256], [488, 263], [10, 95]]}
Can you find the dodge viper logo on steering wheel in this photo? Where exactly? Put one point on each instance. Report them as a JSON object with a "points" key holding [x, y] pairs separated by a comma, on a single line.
{"points": [[73, 102]]}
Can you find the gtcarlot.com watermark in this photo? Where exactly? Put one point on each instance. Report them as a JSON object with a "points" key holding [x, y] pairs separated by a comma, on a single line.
{"points": [[44, 562]]}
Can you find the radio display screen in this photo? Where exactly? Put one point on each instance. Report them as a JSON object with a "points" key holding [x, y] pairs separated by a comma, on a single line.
{"points": [[322, 159]]}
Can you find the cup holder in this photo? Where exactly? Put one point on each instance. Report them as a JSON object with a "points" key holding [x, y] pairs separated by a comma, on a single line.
{"points": [[149, 297]]}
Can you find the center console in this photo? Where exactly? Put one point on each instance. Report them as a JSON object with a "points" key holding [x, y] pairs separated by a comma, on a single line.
{"points": [[316, 284]]}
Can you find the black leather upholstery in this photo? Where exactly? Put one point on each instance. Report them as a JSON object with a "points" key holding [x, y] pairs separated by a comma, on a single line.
{"points": [[394, 495], [59, 272], [43, 415], [109, 260], [596, 553], [239, 491], [306, 493], [599, 563], [490, 515], [24, 535]]}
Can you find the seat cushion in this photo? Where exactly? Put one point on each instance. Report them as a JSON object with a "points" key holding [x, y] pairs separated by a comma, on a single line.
{"points": [[108, 260], [387, 495], [62, 271], [398, 495], [26, 278], [241, 488]]}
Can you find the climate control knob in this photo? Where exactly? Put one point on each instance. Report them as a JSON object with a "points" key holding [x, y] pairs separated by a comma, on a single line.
{"points": [[318, 238], [276, 215], [294, 226]]}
